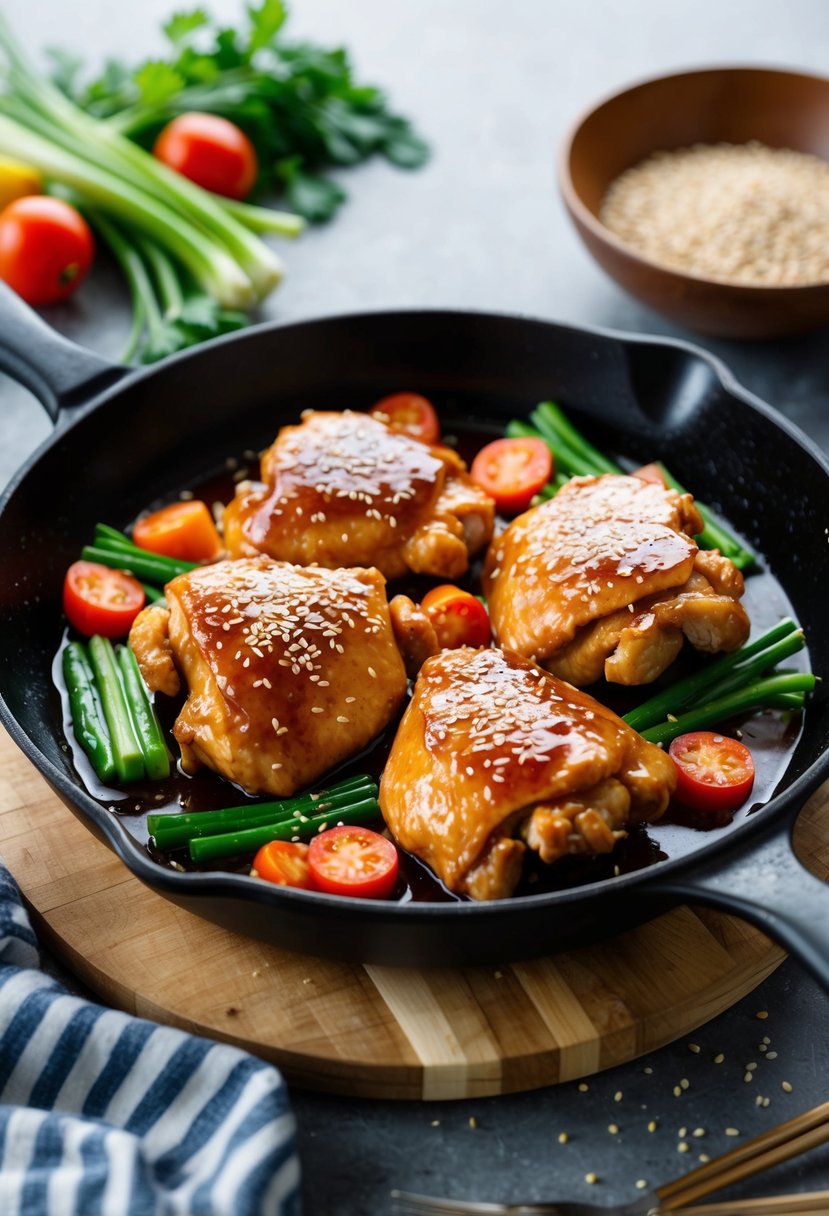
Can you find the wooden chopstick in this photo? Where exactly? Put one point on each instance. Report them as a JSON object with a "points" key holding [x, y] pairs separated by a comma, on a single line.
{"points": [[806, 1202], [787, 1140]]}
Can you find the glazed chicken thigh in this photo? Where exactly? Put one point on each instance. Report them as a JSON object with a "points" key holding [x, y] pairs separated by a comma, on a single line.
{"points": [[606, 579], [342, 488], [289, 671], [494, 756]]}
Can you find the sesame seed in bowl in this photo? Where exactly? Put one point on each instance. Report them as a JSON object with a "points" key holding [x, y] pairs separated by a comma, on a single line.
{"points": [[705, 194]]}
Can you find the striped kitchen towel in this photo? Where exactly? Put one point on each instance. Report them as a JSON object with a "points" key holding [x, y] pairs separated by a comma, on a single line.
{"points": [[103, 1114]]}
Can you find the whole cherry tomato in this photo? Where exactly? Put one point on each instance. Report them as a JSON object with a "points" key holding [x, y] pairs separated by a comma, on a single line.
{"points": [[46, 248], [211, 152]]}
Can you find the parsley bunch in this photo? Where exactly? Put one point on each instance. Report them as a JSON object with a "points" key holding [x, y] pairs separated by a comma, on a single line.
{"points": [[298, 102]]}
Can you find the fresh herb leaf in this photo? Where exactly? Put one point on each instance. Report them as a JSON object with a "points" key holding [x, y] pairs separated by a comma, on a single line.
{"points": [[156, 83], [265, 23], [181, 25], [298, 102], [308, 194]]}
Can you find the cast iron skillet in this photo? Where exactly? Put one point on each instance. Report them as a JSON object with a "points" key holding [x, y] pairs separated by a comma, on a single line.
{"points": [[144, 434]]}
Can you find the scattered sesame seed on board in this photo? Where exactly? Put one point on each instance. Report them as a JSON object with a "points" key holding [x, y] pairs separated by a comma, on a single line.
{"points": [[695, 1048], [591, 1178], [718, 1059], [583, 1087], [563, 1137], [436, 1123], [613, 1128], [473, 1122], [732, 1131], [641, 1184], [787, 1085], [652, 1126], [698, 1131], [617, 1097], [683, 1146], [704, 1158], [771, 1055], [762, 1014], [677, 1092]]}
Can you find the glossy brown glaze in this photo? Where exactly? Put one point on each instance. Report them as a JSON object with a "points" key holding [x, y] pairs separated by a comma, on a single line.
{"points": [[289, 671], [492, 748], [732, 105], [602, 543], [342, 488]]}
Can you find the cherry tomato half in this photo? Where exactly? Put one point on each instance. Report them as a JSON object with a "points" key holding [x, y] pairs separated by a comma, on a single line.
{"points": [[512, 471], [458, 618], [184, 530], [651, 472], [353, 861], [46, 248], [714, 773], [99, 600], [410, 414], [211, 152], [284, 862]]}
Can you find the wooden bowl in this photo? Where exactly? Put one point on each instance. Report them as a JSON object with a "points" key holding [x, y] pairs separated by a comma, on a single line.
{"points": [[733, 105]]}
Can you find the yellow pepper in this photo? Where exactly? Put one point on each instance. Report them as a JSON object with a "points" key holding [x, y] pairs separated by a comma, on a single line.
{"points": [[17, 180]]}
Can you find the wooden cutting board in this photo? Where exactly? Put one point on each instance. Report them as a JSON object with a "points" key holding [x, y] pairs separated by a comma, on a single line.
{"points": [[375, 1031]]}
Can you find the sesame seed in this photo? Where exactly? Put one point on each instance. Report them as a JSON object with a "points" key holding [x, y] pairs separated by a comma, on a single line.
{"points": [[341, 718], [436, 1123], [731, 1131], [652, 1126], [613, 1128], [682, 1133], [617, 1097], [704, 1158], [762, 1014], [698, 1131], [771, 1055], [787, 1086], [683, 1147], [583, 1087], [677, 1092], [473, 1122], [694, 1047], [718, 1059], [747, 1077], [563, 1137], [641, 1184], [591, 1178], [685, 1083], [317, 709], [648, 1071]]}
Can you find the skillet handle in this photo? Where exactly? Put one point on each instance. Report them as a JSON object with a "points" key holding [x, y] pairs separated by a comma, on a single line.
{"points": [[768, 887], [59, 373]]}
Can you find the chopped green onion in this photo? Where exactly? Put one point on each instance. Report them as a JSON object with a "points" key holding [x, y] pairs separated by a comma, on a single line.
{"points": [[206, 848], [129, 758]]}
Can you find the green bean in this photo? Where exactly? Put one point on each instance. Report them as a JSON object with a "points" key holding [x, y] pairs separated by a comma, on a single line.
{"points": [[145, 723], [129, 759], [88, 721], [206, 848]]}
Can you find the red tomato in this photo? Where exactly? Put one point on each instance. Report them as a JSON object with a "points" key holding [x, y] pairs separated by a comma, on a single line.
{"points": [[99, 600], [353, 861], [512, 471], [458, 618], [211, 152], [409, 413], [714, 773], [184, 530], [46, 248], [284, 862], [651, 472]]}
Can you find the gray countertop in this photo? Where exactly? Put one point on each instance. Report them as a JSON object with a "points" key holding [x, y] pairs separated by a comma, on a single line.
{"points": [[495, 87]]}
